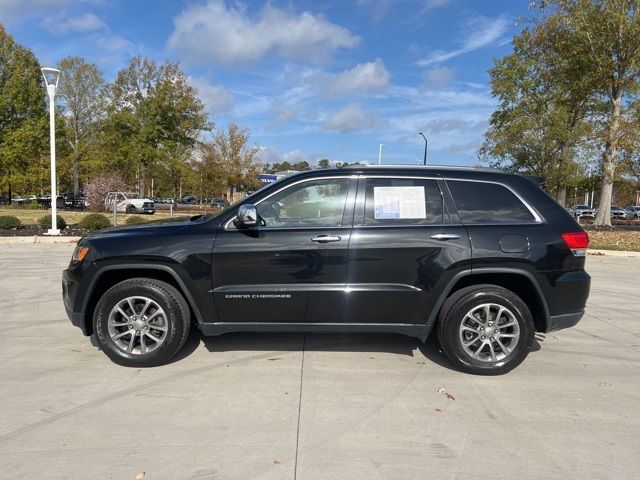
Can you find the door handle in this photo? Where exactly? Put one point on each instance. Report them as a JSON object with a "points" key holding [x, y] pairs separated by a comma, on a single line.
{"points": [[326, 238], [445, 236]]}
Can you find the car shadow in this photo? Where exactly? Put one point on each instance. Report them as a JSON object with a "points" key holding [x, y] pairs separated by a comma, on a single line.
{"points": [[325, 342], [321, 342]]}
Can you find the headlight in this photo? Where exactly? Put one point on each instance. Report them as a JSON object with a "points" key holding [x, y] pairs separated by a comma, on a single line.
{"points": [[79, 253]]}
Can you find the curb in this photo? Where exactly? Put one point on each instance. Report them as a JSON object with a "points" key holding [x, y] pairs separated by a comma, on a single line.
{"points": [[613, 253], [37, 239]]}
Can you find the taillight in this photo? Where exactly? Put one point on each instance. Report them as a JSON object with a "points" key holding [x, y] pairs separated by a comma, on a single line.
{"points": [[577, 242]]}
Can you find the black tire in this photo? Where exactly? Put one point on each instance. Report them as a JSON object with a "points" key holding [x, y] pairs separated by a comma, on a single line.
{"points": [[130, 209], [167, 297], [463, 301]]}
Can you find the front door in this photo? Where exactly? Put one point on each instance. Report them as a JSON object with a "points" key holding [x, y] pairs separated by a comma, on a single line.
{"points": [[405, 247], [293, 267]]}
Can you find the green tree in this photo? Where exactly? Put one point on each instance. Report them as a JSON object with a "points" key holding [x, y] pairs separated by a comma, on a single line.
{"points": [[229, 161], [82, 91], [23, 117], [543, 116], [605, 35], [324, 163], [153, 112]]}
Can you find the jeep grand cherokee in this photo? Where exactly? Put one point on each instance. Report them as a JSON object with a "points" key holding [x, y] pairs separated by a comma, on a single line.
{"points": [[485, 258]]}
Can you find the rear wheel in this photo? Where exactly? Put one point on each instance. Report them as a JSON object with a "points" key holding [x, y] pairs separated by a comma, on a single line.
{"points": [[141, 322], [130, 209], [485, 329]]}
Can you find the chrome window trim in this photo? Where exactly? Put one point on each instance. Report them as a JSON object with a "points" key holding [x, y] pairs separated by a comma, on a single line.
{"points": [[284, 187], [537, 217]]}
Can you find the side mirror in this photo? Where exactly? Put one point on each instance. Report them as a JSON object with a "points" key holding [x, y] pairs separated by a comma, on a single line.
{"points": [[247, 216]]}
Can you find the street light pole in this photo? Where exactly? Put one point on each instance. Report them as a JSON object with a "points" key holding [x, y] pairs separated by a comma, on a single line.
{"points": [[426, 143], [380, 153], [51, 76]]}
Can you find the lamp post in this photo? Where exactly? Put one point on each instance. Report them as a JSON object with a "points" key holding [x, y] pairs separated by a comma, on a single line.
{"points": [[51, 77], [380, 153], [426, 143]]}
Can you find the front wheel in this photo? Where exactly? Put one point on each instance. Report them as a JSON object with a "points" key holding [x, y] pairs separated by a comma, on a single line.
{"points": [[485, 330], [141, 322]]}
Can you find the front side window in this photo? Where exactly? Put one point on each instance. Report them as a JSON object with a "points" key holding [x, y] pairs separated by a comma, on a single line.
{"points": [[316, 203], [403, 201], [484, 202]]}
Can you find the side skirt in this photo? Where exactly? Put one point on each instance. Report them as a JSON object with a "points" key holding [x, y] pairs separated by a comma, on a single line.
{"points": [[410, 330]]}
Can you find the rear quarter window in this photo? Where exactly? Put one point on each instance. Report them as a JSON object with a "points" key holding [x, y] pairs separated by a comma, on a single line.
{"points": [[484, 202]]}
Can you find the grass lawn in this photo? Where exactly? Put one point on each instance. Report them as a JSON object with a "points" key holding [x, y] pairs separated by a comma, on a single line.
{"points": [[615, 240], [30, 217]]}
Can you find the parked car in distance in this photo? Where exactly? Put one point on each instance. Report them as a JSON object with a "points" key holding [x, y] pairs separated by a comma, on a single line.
{"points": [[633, 211], [483, 257], [3, 200], [188, 200], [70, 200], [582, 211], [220, 202], [618, 212], [128, 203]]}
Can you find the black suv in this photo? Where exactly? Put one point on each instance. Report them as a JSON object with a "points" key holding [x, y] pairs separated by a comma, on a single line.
{"points": [[484, 257]]}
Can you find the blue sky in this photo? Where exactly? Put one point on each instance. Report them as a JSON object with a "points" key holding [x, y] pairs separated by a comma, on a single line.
{"points": [[310, 79]]}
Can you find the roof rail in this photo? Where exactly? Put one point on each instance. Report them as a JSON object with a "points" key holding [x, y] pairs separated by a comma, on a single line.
{"points": [[427, 167]]}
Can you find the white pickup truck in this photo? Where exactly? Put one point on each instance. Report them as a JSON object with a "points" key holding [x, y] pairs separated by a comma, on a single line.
{"points": [[128, 203]]}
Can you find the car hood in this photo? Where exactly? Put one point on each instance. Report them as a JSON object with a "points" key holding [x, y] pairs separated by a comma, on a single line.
{"points": [[156, 227]]}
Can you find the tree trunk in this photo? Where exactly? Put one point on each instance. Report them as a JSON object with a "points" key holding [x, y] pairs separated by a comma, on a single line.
{"points": [[76, 174], [603, 217], [142, 179], [561, 195]]}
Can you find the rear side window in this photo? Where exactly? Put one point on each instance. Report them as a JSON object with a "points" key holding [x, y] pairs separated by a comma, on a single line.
{"points": [[483, 202], [402, 201]]}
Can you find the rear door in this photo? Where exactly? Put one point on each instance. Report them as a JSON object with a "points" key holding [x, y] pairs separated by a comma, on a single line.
{"points": [[405, 247], [293, 268]]}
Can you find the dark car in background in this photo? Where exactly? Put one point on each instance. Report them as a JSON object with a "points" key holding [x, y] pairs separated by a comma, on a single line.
{"points": [[220, 203], [483, 257]]}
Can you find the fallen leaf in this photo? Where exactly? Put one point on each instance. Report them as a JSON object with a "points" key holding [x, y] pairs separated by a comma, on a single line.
{"points": [[444, 391], [276, 462], [438, 410]]}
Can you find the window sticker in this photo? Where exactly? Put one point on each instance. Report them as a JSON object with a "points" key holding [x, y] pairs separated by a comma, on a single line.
{"points": [[399, 202]]}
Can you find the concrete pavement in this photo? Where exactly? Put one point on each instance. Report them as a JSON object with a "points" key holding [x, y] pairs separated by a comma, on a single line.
{"points": [[245, 406]]}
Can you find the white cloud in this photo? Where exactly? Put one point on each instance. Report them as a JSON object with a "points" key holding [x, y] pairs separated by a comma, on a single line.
{"points": [[363, 78], [62, 24], [214, 33], [483, 32], [350, 119], [437, 78], [294, 156], [18, 9], [215, 97]]}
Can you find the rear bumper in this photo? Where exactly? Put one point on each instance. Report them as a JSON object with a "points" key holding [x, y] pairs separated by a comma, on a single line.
{"points": [[567, 320]]}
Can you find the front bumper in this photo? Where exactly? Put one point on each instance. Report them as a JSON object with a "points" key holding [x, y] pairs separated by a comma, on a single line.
{"points": [[70, 298]]}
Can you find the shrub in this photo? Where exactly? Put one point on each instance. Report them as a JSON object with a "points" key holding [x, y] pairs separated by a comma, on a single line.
{"points": [[94, 221], [45, 222], [33, 205], [9, 222], [134, 219]]}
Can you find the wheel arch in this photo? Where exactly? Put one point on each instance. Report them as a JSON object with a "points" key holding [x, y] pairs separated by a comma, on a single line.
{"points": [[110, 275], [515, 280]]}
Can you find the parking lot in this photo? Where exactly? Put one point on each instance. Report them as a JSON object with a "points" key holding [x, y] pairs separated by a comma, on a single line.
{"points": [[245, 406]]}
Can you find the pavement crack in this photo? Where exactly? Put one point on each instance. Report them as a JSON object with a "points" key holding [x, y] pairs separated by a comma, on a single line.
{"points": [[295, 467]]}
